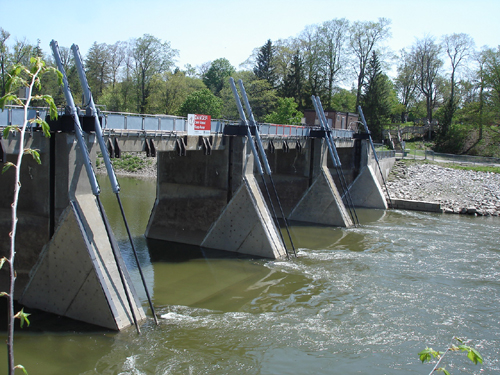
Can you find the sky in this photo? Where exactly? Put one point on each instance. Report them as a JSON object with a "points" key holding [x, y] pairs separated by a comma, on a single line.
{"points": [[205, 30]]}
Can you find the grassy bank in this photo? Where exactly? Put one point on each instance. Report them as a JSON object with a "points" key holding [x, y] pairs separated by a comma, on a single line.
{"points": [[129, 163]]}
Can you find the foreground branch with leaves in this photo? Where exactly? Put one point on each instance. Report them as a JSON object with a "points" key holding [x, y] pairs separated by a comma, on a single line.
{"points": [[428, 354], [28, 78]]}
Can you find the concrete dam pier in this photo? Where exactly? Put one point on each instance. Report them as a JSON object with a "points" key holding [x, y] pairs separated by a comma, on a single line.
{"points": [[208, 195]]}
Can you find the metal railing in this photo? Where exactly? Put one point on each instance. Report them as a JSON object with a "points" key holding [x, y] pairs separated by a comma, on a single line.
{"points": [[142, 122], [133, 121], [447, 158], [466, 159], [14, 114], [385, 154]]}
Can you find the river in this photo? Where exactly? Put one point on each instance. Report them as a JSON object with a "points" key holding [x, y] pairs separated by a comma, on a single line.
{"points": [[365, 300]]}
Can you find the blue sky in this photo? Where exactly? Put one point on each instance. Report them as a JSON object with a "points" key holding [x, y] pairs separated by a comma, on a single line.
{"points": [[206, 30]]}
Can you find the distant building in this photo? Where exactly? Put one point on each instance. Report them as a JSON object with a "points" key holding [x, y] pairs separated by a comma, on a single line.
{"points": [[336, 119]]}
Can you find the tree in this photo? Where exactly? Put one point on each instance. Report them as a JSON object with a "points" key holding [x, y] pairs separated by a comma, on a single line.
{"points": [[220, 70], [150, 56], [406, 83], [458, 47], [364, 38], [171, 90], [375, 98], [428, 63], [332, 38], [261, 95], [264, 67], [293, 85], [344, 100], [116, 58], [491, 58], [37, 50], [285, 50], [127, 85], [201, 102], [97, 69], [311, 62], [4, 35], [21, 52], [286, 113]]}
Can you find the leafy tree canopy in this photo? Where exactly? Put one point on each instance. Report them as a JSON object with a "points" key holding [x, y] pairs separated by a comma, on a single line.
{"points": [[262, 96], [202, 102], [219, 71], [285, 113]]}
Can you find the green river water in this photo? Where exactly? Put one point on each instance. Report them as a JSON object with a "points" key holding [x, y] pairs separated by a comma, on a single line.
{"points": [[356, 301]]}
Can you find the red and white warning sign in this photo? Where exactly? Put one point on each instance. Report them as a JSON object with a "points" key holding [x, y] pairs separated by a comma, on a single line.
{"points": [[199, 124]]}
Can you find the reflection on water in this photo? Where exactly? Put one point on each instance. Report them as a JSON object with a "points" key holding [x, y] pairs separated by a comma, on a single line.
{"points": [[356, 301]]}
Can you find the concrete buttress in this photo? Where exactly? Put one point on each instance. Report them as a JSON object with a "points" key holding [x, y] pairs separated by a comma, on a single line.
{"points": [[70, 269], [246, 226], [366, 190], [76, 275], [321, 203]]}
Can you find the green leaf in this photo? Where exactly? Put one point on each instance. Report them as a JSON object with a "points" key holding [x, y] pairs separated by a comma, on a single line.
{"points": [[46, 128], [2, 262], [23, 317], [14, 81], [443, 370], [37, 64], [37, 83], [21, 367], [7, 98], [36, 120], [6, 166], [16, 70], [60, 76], [52, 106], [34, 153], [474, 356], [8, 129], [426, 354]]}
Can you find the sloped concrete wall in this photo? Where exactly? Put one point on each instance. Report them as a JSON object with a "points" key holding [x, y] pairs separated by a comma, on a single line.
{"points": [[63, 261]]}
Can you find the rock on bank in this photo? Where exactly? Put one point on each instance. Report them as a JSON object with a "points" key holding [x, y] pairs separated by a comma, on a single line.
{"points": [[458, 191]]}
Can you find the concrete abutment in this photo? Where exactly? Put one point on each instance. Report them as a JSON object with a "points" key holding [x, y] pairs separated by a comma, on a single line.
{"points": [[64, 264]]}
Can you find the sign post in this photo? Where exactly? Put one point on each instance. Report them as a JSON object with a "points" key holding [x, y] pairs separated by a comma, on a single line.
{"points": [[199, 124]]}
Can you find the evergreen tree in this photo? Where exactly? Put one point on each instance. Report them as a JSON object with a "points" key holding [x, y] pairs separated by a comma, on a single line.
{"points": [[264, 68], [293, 85], [375, 98]]}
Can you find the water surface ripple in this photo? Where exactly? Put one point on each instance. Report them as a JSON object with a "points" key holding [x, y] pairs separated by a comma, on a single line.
{"points": [[356, 301]]}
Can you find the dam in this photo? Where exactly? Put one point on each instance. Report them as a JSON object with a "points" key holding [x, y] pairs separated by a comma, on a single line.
{"points": [[209, 194]]}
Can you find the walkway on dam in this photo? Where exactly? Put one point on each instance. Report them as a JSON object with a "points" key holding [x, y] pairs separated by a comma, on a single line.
{"points": [[130, 123]]}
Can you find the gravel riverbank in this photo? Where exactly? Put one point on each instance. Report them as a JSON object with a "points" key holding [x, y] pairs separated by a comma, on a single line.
{"points": [[458, 191]]}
